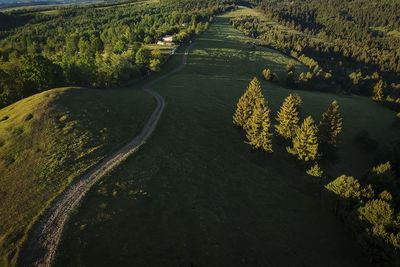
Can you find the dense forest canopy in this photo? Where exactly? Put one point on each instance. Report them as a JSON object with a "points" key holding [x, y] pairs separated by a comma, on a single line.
{"points": [[96, 45], [103, 43], [349, 46], [369, 31]]}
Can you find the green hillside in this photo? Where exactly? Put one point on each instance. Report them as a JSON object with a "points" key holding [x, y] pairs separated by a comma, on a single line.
{"points": [[49, 139], [196, 195]]}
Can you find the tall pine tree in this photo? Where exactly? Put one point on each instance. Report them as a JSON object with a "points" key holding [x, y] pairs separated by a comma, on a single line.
{"points": [[258, 130], [246, 104], [288, 117], [305, 142], [330, 125]]}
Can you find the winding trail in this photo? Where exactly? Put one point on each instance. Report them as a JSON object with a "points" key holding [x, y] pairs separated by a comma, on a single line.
{"points": [[42, 243]]}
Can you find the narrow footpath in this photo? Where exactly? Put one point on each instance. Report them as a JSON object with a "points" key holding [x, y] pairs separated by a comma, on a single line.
{"points": [[43, 241]]}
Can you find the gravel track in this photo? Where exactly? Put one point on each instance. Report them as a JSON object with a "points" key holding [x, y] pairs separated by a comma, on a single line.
{"points": [[40, 248]]}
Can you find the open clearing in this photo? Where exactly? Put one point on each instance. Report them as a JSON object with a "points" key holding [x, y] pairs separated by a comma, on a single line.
{"points": [[196, 195]]}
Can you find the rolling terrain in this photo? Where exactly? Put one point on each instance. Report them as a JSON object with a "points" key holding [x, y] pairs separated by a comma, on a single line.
{"points": [[195, 194], [45, 236], [49, 139]]}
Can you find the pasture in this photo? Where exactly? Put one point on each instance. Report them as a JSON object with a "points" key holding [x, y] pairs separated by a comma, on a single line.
{"points": [[197, 195]]}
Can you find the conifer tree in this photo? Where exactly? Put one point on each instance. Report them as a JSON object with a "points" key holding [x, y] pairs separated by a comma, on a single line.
{"points": [[290, 66], [242, 109], [331, 125], [377, 93], [267, 74], [315, 171], [247, 103], [258, 131], [305, 142], [288, 117]]}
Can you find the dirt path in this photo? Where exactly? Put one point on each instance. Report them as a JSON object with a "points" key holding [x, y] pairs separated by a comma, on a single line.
{"points": [[42, 244]]}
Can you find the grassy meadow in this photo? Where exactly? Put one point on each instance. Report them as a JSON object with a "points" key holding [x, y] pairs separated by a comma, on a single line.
{"points": [[49, 139], [196, 195]]}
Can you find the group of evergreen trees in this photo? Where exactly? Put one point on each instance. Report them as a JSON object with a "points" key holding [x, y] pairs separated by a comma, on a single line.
{"points": [[253, 115], [372, 219]]}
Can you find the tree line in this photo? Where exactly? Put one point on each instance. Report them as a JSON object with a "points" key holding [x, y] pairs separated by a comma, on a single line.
{"points": [[338, 64], [352, 26]]}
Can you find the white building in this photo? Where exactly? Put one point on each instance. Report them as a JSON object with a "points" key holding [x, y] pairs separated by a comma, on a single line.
{"points": [[166, 40]]}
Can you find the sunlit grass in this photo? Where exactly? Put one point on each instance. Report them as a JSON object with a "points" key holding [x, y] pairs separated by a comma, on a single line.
{"points": [[49, 139]]}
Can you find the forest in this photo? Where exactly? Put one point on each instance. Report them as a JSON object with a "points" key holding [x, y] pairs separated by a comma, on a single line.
{"points": [[100, 45], [350, 47]]}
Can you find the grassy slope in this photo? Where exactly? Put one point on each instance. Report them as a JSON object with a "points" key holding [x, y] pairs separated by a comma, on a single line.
{"points": [[196, 194], [51, 138]]}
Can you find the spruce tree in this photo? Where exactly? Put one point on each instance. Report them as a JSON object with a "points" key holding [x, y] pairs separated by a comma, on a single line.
{"points": [[247, 103], [242, 109], [305, 142], [377, 93], [331, 125], [288, 117], [258, 131]]}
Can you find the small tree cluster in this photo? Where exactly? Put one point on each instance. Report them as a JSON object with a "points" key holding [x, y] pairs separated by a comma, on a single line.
{"points": [[382, 168], [252, 114], [269, 76], [347, 187], [304, 138], [372, 219]]}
